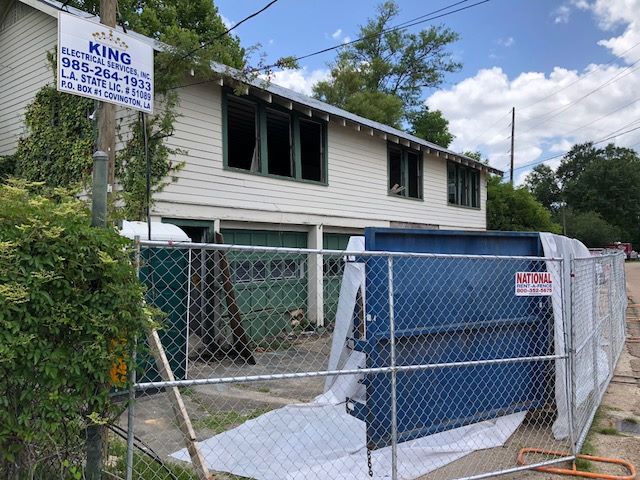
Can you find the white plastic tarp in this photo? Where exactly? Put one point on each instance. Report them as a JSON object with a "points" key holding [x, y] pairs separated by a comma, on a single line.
{"points": [[557, 246], [321, 440]]}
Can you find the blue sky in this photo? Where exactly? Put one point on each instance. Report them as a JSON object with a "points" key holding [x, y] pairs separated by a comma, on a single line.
{"points": [[514, 52]]}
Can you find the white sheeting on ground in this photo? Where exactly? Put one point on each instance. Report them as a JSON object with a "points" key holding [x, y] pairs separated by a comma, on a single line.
{"points": [[321, 439]]}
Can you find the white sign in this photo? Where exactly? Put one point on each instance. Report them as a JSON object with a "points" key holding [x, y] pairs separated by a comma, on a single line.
{"points": [[532, 284], [99, 62]]}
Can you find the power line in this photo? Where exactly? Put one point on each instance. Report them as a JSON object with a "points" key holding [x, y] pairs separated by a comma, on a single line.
{"points": [[597, 68], [554, 113], [612, 135], [401, 26], [226, 32], [623, 107]]}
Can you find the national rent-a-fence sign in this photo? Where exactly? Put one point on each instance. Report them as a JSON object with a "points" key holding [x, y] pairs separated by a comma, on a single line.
{"points": [[99, 62]]}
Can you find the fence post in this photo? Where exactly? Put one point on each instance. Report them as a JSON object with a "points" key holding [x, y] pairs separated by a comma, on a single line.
{"points": [[612, 334], [566, 298], [595, 327], [394, 405], [95, 433], [132, 383]]}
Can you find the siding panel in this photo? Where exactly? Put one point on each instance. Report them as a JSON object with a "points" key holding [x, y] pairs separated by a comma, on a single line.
{"points": [[25, 38], [357, 176]]}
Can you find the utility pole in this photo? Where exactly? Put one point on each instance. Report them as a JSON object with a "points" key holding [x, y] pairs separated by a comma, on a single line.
{"points": [[103, 176], [107, 111], [513, 126]]}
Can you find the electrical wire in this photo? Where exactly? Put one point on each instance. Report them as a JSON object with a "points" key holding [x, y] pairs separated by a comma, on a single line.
{"points": [[610, 136], [227, 31], [597, 68], [401, 26], [554, 113]]}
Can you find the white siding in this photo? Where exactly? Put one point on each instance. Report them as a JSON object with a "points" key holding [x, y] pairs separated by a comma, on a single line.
{"points": [[26, 35], [357, 187]]}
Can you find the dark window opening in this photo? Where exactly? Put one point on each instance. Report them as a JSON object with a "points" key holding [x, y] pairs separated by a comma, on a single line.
{"points": [[452, 182], [333, 267], [405, 172], [279, 144], [463, 185], [414, 177], [242, 141], [311, 150], [396, 183]]}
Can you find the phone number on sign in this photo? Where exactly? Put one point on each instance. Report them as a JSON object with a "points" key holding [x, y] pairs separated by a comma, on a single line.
{"points": [[105, 73]]}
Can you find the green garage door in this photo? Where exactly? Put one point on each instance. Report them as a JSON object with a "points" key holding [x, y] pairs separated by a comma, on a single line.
{"points": [[269, 286], [333, 266]]}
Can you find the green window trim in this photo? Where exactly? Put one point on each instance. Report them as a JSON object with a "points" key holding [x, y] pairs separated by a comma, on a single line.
{"points": [[411, 184], [262, 140], [463, 186]]}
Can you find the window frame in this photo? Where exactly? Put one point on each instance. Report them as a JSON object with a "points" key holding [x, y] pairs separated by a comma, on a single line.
{"points": [[468, 185], [404, 171], [261, 138]]}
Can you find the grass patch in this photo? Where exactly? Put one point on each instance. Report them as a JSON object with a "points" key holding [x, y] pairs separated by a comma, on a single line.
{"points": [[587, 449], [608, 431], [632, 420], [222, 421], [144, 467]]}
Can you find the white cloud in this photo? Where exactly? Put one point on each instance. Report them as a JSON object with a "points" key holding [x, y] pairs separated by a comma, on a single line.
{"points": [[338, 35], [478, 108], [300, 80], [506, 42], [561, 14]]}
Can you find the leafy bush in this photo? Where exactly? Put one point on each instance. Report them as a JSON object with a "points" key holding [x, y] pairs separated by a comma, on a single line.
{"points": [[516, 209], [70, 306]]}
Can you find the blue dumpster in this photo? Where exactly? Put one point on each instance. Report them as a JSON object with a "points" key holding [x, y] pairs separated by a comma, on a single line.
{"points": [[452, 310]]}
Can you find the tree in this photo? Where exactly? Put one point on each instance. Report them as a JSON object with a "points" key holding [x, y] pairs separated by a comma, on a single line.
{"points": [[574, 163], [71, 307], [61, 133], [610, 186], [391, 64], [194, 27], [590, 228], [543, 184], [511, 208], [431, 126]]}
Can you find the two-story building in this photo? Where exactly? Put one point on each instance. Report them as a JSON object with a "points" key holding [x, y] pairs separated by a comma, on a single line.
{"points": [[272, 167]]}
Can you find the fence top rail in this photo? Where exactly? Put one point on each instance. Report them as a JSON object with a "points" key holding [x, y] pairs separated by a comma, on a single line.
{"points": [[366, 253], [608, 256]]}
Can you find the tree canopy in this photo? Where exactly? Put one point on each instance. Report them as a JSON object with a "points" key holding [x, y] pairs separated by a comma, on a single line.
{"points": [[543, 184], [382, 76], [516, 209], [431, 126], [186, 27], [599, 185]]}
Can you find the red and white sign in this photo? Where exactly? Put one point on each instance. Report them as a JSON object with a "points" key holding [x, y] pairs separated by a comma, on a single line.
{"points": [[533, 284]]}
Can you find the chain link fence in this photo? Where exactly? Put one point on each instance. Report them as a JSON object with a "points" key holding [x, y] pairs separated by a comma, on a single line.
{"points": [[425, 366], [599, 303]]}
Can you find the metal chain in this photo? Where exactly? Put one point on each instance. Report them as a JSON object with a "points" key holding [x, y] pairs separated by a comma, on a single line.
{"points": [[369, 464]]}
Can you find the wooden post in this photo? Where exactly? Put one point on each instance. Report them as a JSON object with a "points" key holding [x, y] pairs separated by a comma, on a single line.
{"points": [[107, 111], [513, 127], [179, 410], [240, 339]]}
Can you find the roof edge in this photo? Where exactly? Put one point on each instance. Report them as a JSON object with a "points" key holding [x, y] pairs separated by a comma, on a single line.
{"points": [[311, 105]]}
